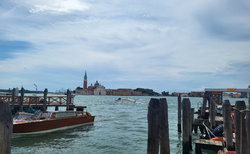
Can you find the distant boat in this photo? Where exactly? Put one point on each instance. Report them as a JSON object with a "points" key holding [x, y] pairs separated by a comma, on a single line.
{"points": [[48, 121], [128, 100]]}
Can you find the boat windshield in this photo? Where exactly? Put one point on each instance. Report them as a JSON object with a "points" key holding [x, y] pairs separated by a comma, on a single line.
{"points": [[44, 115], [23, 117], [64, 114]]}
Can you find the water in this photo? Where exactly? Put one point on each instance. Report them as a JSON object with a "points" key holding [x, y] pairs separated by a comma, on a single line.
{"points": [[118, 128]]}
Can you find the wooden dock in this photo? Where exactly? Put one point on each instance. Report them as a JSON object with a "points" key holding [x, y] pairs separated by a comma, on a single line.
{"points": [[22, 103], [207, 144], [234, 117]]}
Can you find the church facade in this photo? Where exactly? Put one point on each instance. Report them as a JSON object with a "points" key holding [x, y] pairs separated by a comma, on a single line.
{"points": [[97, 89]]}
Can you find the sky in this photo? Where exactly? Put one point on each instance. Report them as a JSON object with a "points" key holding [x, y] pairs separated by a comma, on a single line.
{"points": [[175, 46]]}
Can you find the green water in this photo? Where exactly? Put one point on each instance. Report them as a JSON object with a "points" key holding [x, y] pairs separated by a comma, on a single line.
{"points": [[118, 128]]}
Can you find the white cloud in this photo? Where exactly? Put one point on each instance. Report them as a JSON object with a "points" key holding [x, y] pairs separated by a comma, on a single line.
{"points": [[53, 6], [133, 41]]}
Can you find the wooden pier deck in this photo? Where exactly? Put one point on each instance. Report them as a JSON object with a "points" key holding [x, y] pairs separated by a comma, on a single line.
{"points": [[207, 144], [22, 103]]}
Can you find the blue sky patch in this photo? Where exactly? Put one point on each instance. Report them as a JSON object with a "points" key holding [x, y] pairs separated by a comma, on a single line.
{"points": [[9, 47]]}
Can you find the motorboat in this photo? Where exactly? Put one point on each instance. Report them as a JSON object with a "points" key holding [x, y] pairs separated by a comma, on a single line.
{"points": [[48, 121], [130, 100]]}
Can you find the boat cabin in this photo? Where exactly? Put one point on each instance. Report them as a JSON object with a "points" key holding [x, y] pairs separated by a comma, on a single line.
{"points": [[59, 114]]}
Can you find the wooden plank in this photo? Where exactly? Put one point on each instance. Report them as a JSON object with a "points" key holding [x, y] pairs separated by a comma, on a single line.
{"points": [[207, 144]]}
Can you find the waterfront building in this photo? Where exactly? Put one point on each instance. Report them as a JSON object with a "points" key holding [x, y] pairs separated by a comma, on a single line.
{"points": [[123, 92], [197, 93], [97, 89]]}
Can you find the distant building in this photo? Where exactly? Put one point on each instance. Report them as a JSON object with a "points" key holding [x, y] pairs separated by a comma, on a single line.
{"points": [[97, 89], [181, 94], [243, 95], [85, 81], [197, 93], [123, 92]]}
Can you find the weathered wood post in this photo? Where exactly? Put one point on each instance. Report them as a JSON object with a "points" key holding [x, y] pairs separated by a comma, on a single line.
{"points": [[249, 102], [68, 99], [45, 99], [191, 127], [13, 100], [153, 126], [212, 113], [248, 128], [164, 127], [21, 100], [6, 128], [185, 125], [203, 108], [179, 113], [158, 127], [227, 125], [240, 128]]}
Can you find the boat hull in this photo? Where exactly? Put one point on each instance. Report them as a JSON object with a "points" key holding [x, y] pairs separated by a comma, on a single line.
{"points": [[40, 126]]}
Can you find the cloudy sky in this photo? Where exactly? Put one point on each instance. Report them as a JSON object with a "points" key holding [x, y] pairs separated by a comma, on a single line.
{"points": [[161, 45]]}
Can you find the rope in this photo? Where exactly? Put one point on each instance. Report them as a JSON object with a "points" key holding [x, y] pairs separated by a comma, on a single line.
{"points": [[242, 111], [208, 130]]}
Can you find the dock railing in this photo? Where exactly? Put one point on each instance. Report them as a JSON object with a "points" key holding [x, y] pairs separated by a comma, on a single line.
{"points": [[51, 100], [18, 103]]}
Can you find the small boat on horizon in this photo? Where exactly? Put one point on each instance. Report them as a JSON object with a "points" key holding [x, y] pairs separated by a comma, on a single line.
{"points": [[48, 121], [129, 100]]}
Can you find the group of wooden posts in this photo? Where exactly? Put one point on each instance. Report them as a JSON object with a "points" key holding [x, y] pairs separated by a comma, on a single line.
{"points": [[241, 125], [158, 127]]}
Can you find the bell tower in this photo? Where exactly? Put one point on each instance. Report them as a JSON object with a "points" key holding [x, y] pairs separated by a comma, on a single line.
{"points": [[85, 81]]}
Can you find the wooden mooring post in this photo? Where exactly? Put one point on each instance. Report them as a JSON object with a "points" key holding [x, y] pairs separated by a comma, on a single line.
{"points": [[179, 114], [227, 125], [204, 105], [68, 99], [13, 100], [21, 100], [45, 99], [186, 110], [158, 127], [212, 113], [240, 128], [6, 127], [248, 128], [191, 127]]}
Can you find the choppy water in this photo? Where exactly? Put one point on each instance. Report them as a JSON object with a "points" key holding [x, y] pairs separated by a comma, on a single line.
{"points": [[118, 128]]}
